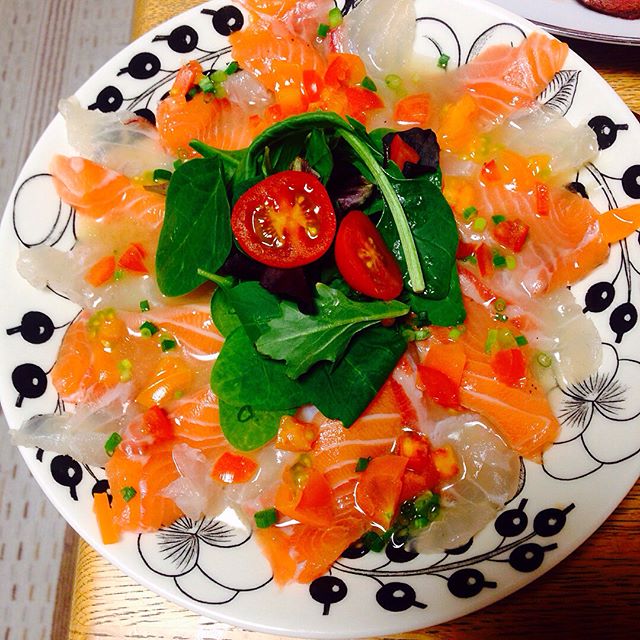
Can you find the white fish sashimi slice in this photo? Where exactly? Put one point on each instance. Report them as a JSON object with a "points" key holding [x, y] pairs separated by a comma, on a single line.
{"points": [[488, 478], [81, 434], [122, 141], [63, 272]]}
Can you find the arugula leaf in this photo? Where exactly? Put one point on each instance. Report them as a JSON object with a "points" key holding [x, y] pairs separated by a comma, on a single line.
{"points": [[247, 428], [445, 312], [196, 232], [302, 340], [241, 376], [344, 391], [433, 227], [318, 154]]}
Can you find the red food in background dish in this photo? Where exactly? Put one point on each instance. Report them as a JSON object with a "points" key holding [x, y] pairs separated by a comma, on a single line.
{"points": [[629, 9]]}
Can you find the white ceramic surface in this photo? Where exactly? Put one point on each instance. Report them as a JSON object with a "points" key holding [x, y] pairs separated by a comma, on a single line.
{"points": [[570, 18], [559, 503]]}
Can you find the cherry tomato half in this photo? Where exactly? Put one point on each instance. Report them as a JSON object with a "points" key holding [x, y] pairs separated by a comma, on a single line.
{"points": [[286, 220], [364, 260]]}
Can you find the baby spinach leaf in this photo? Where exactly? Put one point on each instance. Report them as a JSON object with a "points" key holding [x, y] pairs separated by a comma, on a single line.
{"points": [[230, 159], [318, 154], [445, 312], [247, 428], [433, 227], [196, 232], [241, 376], [344, 391], [302, 340], [223, 314]]}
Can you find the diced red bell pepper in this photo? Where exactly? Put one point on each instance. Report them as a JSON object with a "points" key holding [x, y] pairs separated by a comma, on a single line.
{"points": [[414, 110], [485, 260], [344, 70], [312, 85], [542, 199], [401, 152], [490, 172], [156, 423], [231, 468], [465, 249], [511, 234], [361, 101], [101, 272]]}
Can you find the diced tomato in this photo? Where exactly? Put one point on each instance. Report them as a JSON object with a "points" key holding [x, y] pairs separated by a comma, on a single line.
{"points": [[379, 488], [510, 367], [231, 468], [485, 260], [401, 152], [155, 425], [364, 260], [344, 70], [101, 272], [465, 249], [133, 258], [542, 199], [511, 234], [361, 101], [414, 110], [295, 435], [417, 448], [286, 220], [305, 495], [312, 84], [445, 462], [439, 387]]}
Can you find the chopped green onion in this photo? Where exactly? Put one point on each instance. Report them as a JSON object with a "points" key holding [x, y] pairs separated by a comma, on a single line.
{"points": [[219, 91], [232, 68], [505, 338], [161, 174], [498, 219], [492, 338], [178, 394], [422, 334], [125, 368], [511, 262], [362, 463], [393, 81], [112, 442], [118, 274], [147, 329], [373, 541], [323, 30], [500, 304], [168, 344], [479, 224], [443, 60], [501, 317], [206, 84], [472, 259], [469, 212], [368, 83], [128, 493], [521, 341], [265, 518], [499, 261], [334, 18], [455, 333], [544, 360], [144, 305], [219, 76], [192, 92]]}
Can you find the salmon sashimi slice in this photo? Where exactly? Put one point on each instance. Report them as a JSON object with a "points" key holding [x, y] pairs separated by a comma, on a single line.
{"points": [[263, 47], [312, 550], [521, 414], [150, 468], [561, 247], [103, 194], [502, 79], [108, 348]]}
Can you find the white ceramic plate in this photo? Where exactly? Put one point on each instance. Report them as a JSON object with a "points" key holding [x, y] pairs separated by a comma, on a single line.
{"points": [[572, 19], [559, 504]]}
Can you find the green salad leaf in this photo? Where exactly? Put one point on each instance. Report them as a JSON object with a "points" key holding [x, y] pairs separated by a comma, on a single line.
{"points": [[302, 340], [196, 232]]}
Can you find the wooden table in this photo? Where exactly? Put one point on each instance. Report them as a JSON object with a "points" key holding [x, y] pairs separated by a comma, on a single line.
{"points": [[595, 593]]}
